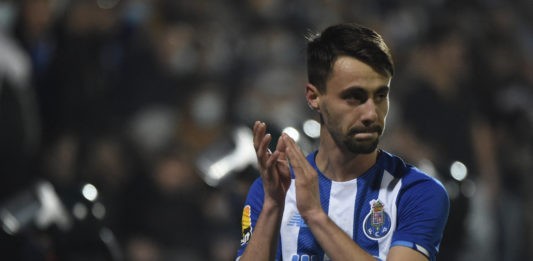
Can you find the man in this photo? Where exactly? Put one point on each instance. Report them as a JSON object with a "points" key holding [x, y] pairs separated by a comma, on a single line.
{"points": [[348, 200]]}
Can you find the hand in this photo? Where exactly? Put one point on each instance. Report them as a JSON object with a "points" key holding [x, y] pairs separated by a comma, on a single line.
{"points": [[306, 180], [273, 166]]}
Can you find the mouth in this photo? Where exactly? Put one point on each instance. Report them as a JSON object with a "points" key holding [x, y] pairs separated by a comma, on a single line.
{"points": [[366, 133]]}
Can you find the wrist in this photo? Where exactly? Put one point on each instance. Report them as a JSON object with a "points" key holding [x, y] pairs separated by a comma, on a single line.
{"points": [[273, 206], [315, 217]]}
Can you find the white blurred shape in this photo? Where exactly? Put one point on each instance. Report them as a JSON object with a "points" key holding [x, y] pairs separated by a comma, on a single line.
{"points": [[293, 133], [458, 171], [427, 167], [208, 108], [452, 188], [52, 209], [311, 128], [98, 210], [468, 188], [153, 128], [242, 156], [10, 224], [89, 192], [79, 211]]}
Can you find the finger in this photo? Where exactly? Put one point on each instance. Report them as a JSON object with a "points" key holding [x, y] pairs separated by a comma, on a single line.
{"points": [[263, 152], [272, 168], [255, 135], [280, 146], [282, 163], [282, 166], [293, 151], [259, 132], [271, 161], [297, 159]]}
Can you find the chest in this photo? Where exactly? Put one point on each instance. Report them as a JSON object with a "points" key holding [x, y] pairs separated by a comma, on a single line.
{"points": [[365, 212]]}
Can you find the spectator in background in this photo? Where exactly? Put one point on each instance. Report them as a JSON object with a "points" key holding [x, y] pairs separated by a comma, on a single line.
{"points": [[436, 108], [165, 213], [20, 135], [131, 69]]}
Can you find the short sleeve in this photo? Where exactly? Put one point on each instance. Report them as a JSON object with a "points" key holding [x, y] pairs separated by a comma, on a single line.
{"points": [[252, 207], [423, 208]]}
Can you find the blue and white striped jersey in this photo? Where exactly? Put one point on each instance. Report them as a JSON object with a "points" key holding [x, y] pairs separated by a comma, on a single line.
{"points": [[391, 204]]}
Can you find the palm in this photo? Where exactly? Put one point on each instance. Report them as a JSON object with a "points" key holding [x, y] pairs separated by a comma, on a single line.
{"points": [[273, 166]]}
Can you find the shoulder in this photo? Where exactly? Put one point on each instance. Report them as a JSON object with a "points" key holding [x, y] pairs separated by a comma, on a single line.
{"points": [[256, 187], [411, 177]]}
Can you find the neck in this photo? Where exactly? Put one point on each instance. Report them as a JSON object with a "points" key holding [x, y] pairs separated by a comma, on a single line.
{"points": [[339, 164]]}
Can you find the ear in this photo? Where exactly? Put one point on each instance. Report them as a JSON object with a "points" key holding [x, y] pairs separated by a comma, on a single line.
{"points": [[312, 94]]}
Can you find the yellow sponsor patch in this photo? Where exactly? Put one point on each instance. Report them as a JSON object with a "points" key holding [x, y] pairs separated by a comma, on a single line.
{"points": [[246, 224]]}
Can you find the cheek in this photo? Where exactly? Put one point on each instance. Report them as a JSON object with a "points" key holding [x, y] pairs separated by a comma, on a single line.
{"points": [[336, 118], [328, 115], [384, 111]]}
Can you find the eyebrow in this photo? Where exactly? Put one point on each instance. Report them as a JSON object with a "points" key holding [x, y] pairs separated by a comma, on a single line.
{"points": [[383, 88], [359, 88]]}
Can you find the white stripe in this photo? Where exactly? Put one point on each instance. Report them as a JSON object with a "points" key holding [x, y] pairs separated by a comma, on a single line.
{"points": [[342, 205], [289, 234], [422, 249], [387, 196]]}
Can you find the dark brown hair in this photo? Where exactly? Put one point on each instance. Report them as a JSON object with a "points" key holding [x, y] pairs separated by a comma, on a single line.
{"points": [[349, 39]]}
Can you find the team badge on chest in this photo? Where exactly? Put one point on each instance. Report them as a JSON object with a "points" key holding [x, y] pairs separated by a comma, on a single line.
{"points": [[377, 223]]}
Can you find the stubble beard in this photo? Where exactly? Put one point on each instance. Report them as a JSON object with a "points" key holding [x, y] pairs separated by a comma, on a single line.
{"points": [[357, 147], [347, 139]]}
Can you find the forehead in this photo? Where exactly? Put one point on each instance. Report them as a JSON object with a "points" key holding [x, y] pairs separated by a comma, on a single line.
{"points": [[349, 72]]}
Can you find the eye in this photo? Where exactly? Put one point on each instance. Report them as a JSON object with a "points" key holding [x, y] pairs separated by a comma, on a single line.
{"points": [[356, 95], [382, 94]]}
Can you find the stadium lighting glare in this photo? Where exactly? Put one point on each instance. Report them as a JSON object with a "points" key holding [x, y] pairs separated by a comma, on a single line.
{"points": [[89, 192], [292, 132], [458, 171], [311, 128]]}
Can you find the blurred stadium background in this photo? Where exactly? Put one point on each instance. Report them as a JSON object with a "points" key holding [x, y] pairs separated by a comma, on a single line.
{"points": [[124, 124]]}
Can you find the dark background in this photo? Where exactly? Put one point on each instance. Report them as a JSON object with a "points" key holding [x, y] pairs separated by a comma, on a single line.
{"points": [[127, 95]]}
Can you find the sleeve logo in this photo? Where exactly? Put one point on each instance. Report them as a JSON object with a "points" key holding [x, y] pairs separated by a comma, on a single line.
{"points": [[246, 225], [377, 223]]}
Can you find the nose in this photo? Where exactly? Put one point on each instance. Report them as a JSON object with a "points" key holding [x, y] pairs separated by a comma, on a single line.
{"points": [[369, 112]]}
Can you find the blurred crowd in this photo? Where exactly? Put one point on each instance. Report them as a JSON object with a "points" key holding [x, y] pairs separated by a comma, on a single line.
{"points": [[126, 95]]}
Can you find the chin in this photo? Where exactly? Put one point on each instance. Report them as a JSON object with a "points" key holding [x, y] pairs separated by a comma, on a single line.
{"points": [[362, 147]]}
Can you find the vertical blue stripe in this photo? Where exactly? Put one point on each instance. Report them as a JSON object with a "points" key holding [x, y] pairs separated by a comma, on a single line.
{"points": [[307, 244], [367, 189], [279, 251], [324, 185]]}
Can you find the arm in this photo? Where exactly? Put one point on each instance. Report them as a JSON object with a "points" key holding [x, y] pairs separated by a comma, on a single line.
{"points": [[405, 253], [275, 176], [339, 246], [263, 243], [335, 242]]}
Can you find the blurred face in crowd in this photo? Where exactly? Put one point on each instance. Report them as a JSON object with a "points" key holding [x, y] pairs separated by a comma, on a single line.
{"points": [[354, 106]]}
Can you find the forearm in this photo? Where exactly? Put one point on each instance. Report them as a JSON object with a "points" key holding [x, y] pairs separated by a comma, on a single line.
{"points": [[264, 240], [335, 242]]}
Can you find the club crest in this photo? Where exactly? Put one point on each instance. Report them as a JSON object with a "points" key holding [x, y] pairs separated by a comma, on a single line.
{"points": [[377, 223]]}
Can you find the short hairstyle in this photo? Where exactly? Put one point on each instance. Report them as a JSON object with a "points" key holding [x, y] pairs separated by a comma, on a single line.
{"points": [[347, 39]]}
